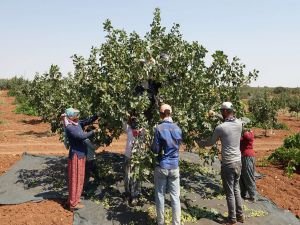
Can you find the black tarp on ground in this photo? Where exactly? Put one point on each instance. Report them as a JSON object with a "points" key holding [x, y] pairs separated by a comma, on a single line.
{"points": [[35, 178]]}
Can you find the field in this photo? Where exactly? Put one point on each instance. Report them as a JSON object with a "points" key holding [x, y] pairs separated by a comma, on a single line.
{"points": [[21, 133]]}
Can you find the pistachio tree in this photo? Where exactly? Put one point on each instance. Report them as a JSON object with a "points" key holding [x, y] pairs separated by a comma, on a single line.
{"points": [[134, 74]]}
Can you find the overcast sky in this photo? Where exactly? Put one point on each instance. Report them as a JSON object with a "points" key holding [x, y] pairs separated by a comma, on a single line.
{"points": [[264, 34]]}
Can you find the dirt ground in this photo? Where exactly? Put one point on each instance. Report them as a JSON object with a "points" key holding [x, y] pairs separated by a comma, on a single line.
{"points": [[284, 191], [21, 133]]}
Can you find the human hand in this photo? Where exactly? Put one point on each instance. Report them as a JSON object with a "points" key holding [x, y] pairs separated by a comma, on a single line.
{"points": [[142, 131], [211, 113], [201, 143], [97, 130]]}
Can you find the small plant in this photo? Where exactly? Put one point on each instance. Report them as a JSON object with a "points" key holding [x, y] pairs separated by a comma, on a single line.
{"points": [[263, 162], [291, 168]]}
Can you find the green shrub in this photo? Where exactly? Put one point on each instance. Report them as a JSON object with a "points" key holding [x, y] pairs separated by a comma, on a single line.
{"points": [[25, 108], [288, 155], [292, 141]]}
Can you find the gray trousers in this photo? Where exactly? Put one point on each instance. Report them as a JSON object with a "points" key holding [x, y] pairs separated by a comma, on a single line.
{"points": [[230, 174], [132, 184], [247, 181]]}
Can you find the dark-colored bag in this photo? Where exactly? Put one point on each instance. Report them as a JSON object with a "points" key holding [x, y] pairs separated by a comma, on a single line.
{"points": [[91, 148]]}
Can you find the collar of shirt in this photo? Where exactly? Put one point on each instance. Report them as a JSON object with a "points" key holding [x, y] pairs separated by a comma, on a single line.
{"points": [[168, 119], [230, 119]]}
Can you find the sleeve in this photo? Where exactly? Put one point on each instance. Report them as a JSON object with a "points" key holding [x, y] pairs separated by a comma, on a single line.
{"points": [[125, 126], [215, 137], [88, 120], [155, 147], [78, 134]]}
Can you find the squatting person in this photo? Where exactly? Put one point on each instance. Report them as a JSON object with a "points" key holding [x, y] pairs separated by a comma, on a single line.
{"points": [[166, 142]]}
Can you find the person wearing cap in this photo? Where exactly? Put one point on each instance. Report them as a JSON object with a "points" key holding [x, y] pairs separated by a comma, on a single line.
{"points": [[229, 132], [77, 154], [166, 143], [247, 181]]}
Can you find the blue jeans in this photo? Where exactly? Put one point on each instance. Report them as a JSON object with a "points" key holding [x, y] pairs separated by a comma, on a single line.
{"points": [[164, 180]]}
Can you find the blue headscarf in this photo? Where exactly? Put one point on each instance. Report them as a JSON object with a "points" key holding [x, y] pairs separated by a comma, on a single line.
{"points": [[71, 112]]}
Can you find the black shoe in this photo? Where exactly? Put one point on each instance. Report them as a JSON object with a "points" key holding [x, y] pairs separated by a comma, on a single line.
{"points": [[252, 200], [231, 222], [240, 219]]}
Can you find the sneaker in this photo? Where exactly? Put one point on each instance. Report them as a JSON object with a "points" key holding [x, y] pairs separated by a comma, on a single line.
{"points": [[240, 219], [76, 207]]}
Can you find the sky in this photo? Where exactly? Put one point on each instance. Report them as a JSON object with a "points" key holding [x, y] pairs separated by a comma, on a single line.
{"points": [[264, 34]]}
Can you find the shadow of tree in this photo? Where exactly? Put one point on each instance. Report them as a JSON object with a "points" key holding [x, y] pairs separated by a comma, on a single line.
{"points": [[51, 179], [108, 188], [200, 179], [203, 212], [36, 134], [32, 121]]}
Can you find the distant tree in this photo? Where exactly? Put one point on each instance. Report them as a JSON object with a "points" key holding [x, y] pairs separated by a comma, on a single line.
{"points": [[295, 91], [294, 105], [282, 100], [264, 111], [279, 90]]}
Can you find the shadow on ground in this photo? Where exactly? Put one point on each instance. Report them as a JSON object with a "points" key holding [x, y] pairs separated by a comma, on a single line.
{"points": [[36, 134], [32, 121], [44, 177]]}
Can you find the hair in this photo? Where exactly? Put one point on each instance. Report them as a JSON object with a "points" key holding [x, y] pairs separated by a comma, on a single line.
{"points": [[166, 113]]}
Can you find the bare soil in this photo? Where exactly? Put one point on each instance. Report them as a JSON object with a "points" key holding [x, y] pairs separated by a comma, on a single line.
{"points": [[21, 133], [39, 213], [283, 191]]}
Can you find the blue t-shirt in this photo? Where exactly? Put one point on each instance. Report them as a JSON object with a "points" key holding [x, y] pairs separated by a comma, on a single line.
{"points": [[167, 139]]}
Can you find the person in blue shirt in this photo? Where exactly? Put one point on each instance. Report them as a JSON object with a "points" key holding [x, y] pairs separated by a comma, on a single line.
{"points": [[166, 143], [77, 154]]}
